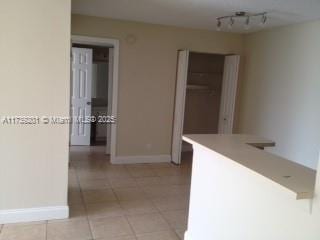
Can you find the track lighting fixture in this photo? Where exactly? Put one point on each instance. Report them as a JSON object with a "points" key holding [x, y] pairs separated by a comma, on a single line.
{"points": [[263, 19], [219, 25], [247, 25], [237, 15]]}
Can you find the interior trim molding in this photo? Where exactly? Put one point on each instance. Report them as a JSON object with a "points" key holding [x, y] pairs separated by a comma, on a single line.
{"points": [[115, 43], [141, 159], [33, 214]]}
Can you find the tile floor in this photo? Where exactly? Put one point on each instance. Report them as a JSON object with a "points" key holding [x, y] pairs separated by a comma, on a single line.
{"points": [[116, 202]]}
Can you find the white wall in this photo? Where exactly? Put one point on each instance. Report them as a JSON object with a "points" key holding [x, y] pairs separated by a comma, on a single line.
{"points": [[34, 73], [280, 94]]}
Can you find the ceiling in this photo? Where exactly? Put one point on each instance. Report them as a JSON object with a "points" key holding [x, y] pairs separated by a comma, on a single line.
{"points": [[201, 14]]}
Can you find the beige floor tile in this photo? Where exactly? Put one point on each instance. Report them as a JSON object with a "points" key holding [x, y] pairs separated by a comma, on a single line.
{"points": [[71, 230], [87, 161], [186, 172], [162, 165], [166, 190], [117, 172], [106, 209], [170, 203], [77, 212], [156, 191], [147, 223], [91, 174], [72, 175], [138, 207], [97, 196], [75, 198], [116, 167], [73, 184], [119, 238], [180, 233], [141, 171], [177, 219], [122, 182], [175, 180], [148, 181], [24, 232], [93, 184], [164, 235], [110, 227], [127, 194], [168, 171], [73, 187]]}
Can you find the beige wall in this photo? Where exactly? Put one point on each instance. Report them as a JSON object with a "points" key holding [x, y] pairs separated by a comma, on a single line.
{"points": [[147, 76], [34, 46], [281, 93]]}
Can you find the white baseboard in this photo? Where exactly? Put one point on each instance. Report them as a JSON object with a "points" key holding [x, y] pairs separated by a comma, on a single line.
{"points": [[33, 214], [141, 159]]}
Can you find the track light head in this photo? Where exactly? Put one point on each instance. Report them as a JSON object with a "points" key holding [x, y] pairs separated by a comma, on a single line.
{"points": [[263, 19], [231, 22], [219, 24], [247, 24]]}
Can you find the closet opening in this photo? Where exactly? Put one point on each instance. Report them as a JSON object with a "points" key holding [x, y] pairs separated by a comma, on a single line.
{"points": [[205, 97]]}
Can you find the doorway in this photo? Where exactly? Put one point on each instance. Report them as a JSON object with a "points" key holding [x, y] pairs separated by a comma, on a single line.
{"points": [[94, 91], [205, 97], [96, 100]]}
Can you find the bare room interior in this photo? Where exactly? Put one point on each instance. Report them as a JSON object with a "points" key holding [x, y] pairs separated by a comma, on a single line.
{"points": [[160, 120]]}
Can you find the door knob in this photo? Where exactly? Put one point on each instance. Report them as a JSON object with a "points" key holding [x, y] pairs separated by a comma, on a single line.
{"points": [[88, 103]]}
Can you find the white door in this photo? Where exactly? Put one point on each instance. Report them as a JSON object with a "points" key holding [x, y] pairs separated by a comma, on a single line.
{"points": [[110, 88], [181, 86], [81, 95], [229, 93]]}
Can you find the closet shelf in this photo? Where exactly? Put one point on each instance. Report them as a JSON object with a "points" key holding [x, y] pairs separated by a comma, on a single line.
{"points": [[197, 87], [205, 73]]}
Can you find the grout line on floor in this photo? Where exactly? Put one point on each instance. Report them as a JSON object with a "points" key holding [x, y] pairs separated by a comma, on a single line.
{"points": [[46, 235], [171, 228], [131, 227], [84, 206]]}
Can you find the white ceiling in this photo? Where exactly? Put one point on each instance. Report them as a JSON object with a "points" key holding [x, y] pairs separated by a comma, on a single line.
{"points": [[200, 13]]}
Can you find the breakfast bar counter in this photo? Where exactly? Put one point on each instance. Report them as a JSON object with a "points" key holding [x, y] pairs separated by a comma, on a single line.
{"points": [[240, 192]]}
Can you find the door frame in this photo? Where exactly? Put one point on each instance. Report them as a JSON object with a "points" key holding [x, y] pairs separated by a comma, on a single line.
{"points": [[179, 106], [180, 114], [107, 42]]}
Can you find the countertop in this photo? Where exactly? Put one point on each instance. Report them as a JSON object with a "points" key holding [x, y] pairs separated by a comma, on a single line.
{"points": [[243, 149]]}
